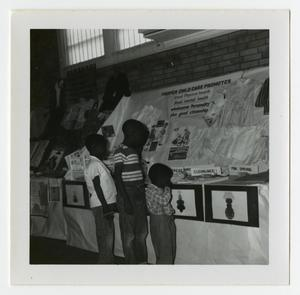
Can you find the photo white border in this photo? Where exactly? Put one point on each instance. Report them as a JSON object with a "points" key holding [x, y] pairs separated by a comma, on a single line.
{"points": [[275, 273]]}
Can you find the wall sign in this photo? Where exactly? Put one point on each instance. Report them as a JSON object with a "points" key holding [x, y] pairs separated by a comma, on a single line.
{"points": [[193, 100], [249, 169], [206, 171]]}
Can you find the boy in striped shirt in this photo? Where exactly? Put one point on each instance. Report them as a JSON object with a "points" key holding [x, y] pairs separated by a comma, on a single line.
{"points": [[130, 184]]}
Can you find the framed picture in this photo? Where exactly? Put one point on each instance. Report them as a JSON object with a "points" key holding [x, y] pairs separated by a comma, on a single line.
{"points": [[232, 204], [187, 201], [75, 194]]}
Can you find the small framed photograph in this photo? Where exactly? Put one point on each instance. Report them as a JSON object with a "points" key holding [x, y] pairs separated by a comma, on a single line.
{"points": [[236, 205], [75, 194], [187, 201]]}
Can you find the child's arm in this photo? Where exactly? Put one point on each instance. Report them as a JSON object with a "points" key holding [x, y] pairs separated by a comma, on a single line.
{"points": [[99, 192], [165, 197], [120, 185]]}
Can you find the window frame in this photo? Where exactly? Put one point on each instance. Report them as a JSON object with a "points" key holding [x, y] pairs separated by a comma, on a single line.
{"points": [[142, 50]]}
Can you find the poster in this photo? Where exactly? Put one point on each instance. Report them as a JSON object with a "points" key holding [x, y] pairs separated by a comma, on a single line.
{"points": [[230, 205], [148, 115], [183, 201], [54, 190], [39, 198], [55, 158], [180, 142], [157, 136], [193, 100], [77, 162]]}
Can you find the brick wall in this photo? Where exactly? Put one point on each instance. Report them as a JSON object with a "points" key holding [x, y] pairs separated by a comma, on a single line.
{"points": [[240, 50], [81, 83]]}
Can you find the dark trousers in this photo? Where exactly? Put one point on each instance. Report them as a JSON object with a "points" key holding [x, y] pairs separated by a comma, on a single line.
{"points": [[163, 237], [105, 236], [134, 227]]}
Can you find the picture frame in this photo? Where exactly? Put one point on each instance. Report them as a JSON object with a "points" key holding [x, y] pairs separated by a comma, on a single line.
{"points": [[187, 201], [232, 204], [75, 194]]}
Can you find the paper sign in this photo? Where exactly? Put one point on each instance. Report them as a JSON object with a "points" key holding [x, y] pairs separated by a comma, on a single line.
{"points": [[205, 171], [192, 101], [249, 169]]}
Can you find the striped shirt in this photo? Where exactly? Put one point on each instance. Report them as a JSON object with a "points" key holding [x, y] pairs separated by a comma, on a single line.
{"points": [[132, 169]]}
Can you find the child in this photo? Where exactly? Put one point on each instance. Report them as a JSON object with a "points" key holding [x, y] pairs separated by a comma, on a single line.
{"points": [[131, 191], [162, 225], [102, 196]]}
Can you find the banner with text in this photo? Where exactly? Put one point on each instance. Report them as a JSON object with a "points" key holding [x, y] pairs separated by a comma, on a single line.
{"points": [[193, 100]]}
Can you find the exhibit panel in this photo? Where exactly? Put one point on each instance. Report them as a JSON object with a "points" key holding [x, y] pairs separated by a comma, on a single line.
{"points": [[216, 243], [208, 242], [206, 131], [190, 127]]}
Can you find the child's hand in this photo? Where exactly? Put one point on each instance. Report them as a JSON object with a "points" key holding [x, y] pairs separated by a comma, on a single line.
{"points": [[108, 214], [110, 209]]}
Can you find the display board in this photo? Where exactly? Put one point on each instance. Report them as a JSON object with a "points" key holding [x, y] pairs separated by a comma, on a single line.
{"points": [[207, 122], [207, 125], [210, 125]]}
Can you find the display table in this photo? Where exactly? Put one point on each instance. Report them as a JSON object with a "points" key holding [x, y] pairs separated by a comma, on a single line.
{"points": [[198, 242], [201, 242]]}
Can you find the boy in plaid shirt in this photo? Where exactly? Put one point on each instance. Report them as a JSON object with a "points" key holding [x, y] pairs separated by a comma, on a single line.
{"points": [[162, 225]]}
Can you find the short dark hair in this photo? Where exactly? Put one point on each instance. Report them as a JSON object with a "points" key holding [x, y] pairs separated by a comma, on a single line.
{"points": [[159, 171], [135, 133], [94, 140], [132, 127]]}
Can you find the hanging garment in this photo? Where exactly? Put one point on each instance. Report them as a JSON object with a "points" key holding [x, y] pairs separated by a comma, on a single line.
{"points": [[263, 97]]}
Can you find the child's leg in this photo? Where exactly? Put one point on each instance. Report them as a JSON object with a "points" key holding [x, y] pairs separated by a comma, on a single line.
{"points": [[172, 228], [126, 223], [138, 200], [141, 232], [163, 238], [154, 232], [105, 236], [108, 250]]}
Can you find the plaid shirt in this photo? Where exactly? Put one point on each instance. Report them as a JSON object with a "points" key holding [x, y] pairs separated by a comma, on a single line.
{"points": [[158, 200]]}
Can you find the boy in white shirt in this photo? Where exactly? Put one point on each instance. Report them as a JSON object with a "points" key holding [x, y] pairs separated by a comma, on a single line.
{"points": [[103, 193]]}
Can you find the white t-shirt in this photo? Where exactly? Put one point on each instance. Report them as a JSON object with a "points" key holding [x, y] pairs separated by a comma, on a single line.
{"points": [[97, 168]]}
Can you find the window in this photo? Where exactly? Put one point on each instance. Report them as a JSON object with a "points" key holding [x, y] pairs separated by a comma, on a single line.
{"points": [[130, 38], [80, 45]]}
